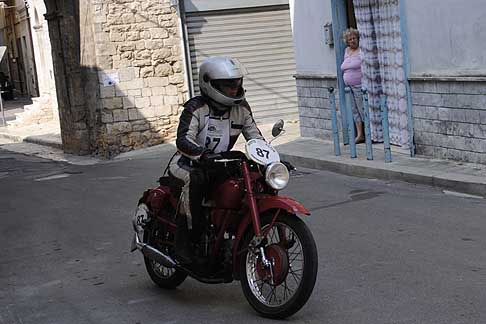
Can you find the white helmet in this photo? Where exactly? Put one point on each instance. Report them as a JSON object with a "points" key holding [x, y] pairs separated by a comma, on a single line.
{"points": [[221, 71]]}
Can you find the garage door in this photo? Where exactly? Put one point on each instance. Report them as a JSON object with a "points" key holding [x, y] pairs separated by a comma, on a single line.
{"points": [[262, 41]]}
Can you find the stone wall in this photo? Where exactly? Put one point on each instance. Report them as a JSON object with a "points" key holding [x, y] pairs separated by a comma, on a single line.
{"points": [[118, 66], [449, 115], [138, 47], [73, 72], [450, 119], [314, 106]]}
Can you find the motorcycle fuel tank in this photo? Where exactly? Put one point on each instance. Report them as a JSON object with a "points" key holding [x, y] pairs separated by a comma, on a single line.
{"points": [[229, 194], [157, 198]]}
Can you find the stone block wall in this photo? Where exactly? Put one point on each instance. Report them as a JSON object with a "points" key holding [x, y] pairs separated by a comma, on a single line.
{"points": [[140, 71], [118, 68], [450, 119], [314, 106], [449, 115]]}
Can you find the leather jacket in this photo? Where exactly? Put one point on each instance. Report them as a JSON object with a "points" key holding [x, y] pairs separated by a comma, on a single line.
{"points": [[203, 128]]}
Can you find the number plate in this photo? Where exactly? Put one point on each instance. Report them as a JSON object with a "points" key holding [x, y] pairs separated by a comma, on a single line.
{"points": [[261, 152]]}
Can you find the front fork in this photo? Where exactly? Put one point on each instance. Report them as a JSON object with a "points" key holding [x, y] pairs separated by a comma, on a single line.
{"points": [[257, 243]]}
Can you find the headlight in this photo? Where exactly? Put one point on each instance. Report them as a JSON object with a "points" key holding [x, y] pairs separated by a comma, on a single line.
{"points": [[277, 176]]}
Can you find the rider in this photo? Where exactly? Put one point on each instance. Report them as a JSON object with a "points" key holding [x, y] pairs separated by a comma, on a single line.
{"points": [[210, 123]]}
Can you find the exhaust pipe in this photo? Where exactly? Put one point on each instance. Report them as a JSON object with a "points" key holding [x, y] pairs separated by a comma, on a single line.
{"points": [[152, 253]]}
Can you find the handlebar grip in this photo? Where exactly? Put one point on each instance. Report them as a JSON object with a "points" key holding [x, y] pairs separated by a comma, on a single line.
{"points": [[213, 157]]}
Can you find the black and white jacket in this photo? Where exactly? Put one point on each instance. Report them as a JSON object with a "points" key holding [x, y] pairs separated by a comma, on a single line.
{"points": [[202, 128]]}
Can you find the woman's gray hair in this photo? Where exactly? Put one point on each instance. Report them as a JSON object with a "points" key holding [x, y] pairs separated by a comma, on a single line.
{"points": [[348, 32]]}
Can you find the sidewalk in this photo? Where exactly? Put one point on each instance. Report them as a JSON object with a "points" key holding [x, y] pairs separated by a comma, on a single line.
{"points": [[454, 176], [302, 152], [47, 134]]}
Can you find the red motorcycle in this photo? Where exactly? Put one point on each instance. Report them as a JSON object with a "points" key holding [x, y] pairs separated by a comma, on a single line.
{"points": [[252, 234]]}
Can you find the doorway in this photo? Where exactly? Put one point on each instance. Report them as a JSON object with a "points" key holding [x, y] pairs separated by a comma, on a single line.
{"points": [[383, 70], [351, 21]]}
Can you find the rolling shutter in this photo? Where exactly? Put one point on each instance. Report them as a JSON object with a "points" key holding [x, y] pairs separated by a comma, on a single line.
{"points": [[262, 41]]}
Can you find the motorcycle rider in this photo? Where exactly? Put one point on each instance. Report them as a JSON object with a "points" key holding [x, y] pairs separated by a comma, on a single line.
{"points": [[210, 123]]}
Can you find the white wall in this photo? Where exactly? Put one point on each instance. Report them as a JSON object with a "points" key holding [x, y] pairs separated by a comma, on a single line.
{"points": [[446, 37], [42, 47], [312, 55]]}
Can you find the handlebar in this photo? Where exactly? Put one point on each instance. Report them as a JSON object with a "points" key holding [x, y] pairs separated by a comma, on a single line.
{"points": [[234, 156], [223, 157]]}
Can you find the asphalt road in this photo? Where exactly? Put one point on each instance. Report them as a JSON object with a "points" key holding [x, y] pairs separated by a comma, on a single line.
{"points": [[389, 252]]}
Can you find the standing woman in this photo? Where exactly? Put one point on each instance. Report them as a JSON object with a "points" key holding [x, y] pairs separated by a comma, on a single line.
{"points": [[351, 68]]}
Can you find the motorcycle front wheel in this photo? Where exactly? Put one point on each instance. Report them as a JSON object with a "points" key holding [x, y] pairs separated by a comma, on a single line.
{"points": [[164, 277], [281, 289]]}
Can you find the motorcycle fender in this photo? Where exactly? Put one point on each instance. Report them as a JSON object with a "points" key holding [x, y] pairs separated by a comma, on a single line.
{"points": [[265, 202], [281, 202]]}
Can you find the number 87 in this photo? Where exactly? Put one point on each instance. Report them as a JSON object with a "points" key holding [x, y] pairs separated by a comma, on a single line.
{"points": [[262, 153]]}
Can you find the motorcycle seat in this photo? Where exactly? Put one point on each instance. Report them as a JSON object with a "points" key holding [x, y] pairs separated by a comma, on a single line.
{"points": [[174, 184]]}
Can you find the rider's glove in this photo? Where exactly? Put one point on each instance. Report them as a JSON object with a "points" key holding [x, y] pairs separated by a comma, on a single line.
{"points": [[205, 156]]}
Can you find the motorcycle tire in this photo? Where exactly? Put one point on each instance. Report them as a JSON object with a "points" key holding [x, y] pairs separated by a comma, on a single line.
{"points": [[250, 270], [167, 278]]}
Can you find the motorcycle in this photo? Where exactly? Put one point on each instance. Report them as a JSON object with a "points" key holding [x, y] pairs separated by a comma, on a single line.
{"points": [[252, 234]]}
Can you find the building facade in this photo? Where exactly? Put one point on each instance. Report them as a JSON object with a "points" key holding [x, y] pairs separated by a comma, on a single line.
{"points": [[439, 47], [28, 59], [259, 35], [119, 72], [124, 68], [20, 65]]}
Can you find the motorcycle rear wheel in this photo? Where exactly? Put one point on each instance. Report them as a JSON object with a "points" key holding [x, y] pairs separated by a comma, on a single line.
{"points": [[164, 277], [293, 274]]}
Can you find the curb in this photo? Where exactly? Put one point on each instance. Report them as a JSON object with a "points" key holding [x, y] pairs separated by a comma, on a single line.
{"points": [[469, 187], [44, 140]]}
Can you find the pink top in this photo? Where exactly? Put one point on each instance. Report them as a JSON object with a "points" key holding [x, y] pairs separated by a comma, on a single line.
{"points": [[351, 68]]}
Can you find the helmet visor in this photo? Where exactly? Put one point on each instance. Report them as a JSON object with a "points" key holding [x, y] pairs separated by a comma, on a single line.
{"points": [[229, 87]]}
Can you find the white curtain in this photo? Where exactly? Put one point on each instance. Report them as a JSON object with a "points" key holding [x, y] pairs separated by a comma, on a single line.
{"points": [[381, 43]]}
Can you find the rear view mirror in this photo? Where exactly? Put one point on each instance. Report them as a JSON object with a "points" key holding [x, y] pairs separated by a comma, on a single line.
{"points": [[277, 128]]}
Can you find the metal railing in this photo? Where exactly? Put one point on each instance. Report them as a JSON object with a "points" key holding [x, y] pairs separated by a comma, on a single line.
{"points": [[347, 112]]}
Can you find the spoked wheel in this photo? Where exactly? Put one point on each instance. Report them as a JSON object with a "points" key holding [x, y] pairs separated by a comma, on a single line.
{"points": [[281, 288], [164, 277]]}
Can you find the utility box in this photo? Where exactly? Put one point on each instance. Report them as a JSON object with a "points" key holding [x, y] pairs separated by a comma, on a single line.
{"points": [[328, 38]]}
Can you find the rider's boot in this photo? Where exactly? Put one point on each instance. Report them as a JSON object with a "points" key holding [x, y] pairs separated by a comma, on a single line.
{"points": [[184, 239], [183, 249]]}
